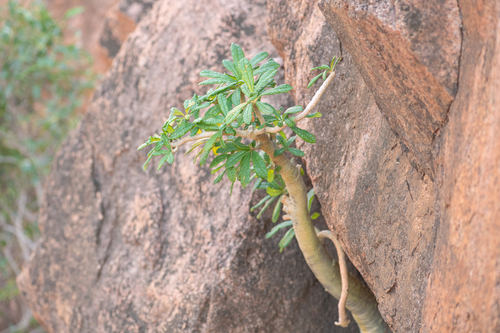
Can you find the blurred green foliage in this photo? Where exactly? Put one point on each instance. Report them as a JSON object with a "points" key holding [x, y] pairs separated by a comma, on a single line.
{"points": [[43, 83]]}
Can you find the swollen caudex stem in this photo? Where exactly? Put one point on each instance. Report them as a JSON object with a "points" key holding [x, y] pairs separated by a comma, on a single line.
{"points": [[360, 301], [247, 138]]}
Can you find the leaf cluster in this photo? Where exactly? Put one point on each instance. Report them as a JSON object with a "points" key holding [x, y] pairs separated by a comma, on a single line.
{"points": [[222, 121]]}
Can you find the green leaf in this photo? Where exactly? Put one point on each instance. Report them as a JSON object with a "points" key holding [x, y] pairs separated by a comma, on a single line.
{"points": [[290, 234], [259, 166], [235, 158], [260, 203], [310, 198], [212, 112], [237, 53], [217, 75], [296, 152], [314, 115], [216, 81], [335, 63], [270, 175], [223, 104], [247, 114], [294, 109], [305, 135], [236, 96], [265, 108], [284, 88], [277, 210], [273, 192], [314, 80], [279, 227], [268, 203], [218, 159], [234, 113], [165, 158], [232, 68], [321, 67], [219, 177], [231, 174], [314, 216], [73, 12], [264, 78], [289, 122], [208, 146], [279, 151], [245, 68], [181, 130], [282, 141], [258, 58], [332, 62], [245, 170], [270, 64]]}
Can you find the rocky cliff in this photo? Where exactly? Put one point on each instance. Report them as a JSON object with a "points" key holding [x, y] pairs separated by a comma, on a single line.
{"points": [[406, 168]]}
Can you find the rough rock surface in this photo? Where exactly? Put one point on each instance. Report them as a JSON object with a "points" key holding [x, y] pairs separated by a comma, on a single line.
{"points": [[371, 192], [464, 289], [128, 251], [408, 54], [458, 146]]}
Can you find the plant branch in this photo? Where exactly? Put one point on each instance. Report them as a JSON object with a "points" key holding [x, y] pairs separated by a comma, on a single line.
{"points": [[253, 134], [360, 301], [343, 321]]}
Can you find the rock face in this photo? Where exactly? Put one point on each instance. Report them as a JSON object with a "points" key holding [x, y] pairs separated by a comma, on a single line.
{"points": [[372, 193], [406, 168], [408, 55], [129, 251]]}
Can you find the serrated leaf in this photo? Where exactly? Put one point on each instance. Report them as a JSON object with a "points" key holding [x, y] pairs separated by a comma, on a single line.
{"points": [[259, 166], [218, 159], [258, 58], [236, 96], [181, 130], [235, 158], [245, 169], [268, 203], [270, 175], [284, 88], [279, 151], [245, 90], [294, 109], [290, 234], [279, 227], [232, 68], [237, 53], [310, 198], [267, 197], [245, 68], [265, 108], [277, 210], [304, 135], [208, 146], [313, 80], [247, 114], [264, 79], [296, 152], [217, 75]]}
